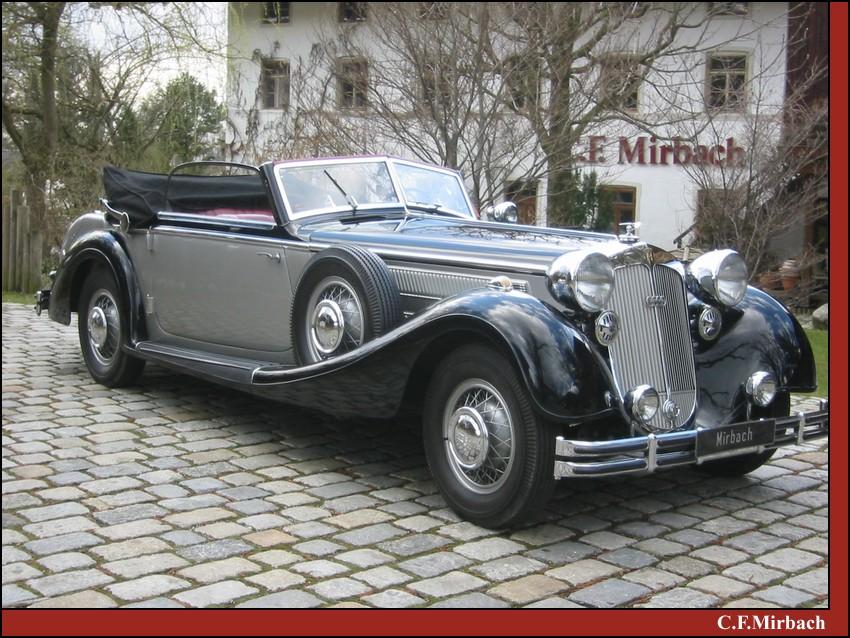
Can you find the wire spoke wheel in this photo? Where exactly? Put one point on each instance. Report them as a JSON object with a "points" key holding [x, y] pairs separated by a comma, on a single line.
{"points": [[104, 327], [479, 436], [334, 319]]}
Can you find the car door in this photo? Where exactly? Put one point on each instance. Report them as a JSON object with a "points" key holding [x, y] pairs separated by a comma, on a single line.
{"points": [[218, 285]]}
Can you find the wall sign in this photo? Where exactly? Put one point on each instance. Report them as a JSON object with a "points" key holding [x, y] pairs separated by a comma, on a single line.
{"points": [[648, 151]]}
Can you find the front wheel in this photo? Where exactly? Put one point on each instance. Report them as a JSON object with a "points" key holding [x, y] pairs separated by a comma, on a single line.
{"points": [[491, 456]]}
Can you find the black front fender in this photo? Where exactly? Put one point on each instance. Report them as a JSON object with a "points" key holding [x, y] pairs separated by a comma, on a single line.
{"points": [[103, 248], [564, 374], [757, 334]]}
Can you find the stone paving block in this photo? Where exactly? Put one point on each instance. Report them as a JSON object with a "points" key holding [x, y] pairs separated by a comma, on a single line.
{"points": [[276, 557], [721, 586], [340, 588], [583, 572], [528, 589], [609, 593], [222, 530], [143, 527], [218, 594], [752, 573], [147, 587], [50, 512], [14, 572], [719, 555], [654, 579], [276, 579], [370, 535], [489, 548], [382, 577], [215, 550], [63, 562], [784, 596], [814, 582], [554, 602], [290, 599], [364, 557], [15, 595], [198, 517], [447, 584], [393, 599], [63, 543], [507, 568], [789, 559], [320, 568], [476, 600], [563, 552], [67, 582], [681, 597], [142, 565], [79, 600], [219, 570], [60, 526]]}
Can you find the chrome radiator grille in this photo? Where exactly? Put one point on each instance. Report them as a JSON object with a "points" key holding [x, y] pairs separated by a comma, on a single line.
{"points": [[653, 345]]}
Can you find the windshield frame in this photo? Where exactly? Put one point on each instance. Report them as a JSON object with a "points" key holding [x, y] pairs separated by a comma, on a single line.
{"points": [[402, 205]]}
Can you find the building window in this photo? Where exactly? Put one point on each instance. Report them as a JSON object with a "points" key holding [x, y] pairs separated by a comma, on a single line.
{"points": [[276, 12], [619, 80], [352, 12], [436, 88], [274, 81], [352, 83], [623, 204], [728, 8], [433, 10], [520, 77], [727, 79]]}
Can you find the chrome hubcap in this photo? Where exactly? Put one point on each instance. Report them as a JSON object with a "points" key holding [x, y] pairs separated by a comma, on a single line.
{"points": [[479, 436], [468, 438], [328, 326], [103, 325], [334, 319]]}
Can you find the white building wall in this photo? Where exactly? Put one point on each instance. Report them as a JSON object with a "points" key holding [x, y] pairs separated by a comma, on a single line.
{"points": [[666, 195]]}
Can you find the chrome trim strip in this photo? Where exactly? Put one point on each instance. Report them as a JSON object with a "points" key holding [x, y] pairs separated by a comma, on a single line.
{"points": [[434, 284], [435, 258], [176, 353], [215, 221]]}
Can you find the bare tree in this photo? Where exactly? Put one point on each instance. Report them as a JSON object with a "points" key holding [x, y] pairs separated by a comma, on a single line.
{"points": [[72, 75]]}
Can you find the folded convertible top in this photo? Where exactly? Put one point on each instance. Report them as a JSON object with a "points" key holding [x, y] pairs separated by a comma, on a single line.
{"points": [[142, 195]]}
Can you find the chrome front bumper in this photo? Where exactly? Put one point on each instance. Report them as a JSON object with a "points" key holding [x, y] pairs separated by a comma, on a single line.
{"points": [[646, 454]]}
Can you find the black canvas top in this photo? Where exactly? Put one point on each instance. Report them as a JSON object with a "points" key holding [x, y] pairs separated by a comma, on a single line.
{"points": [[141, 195]]}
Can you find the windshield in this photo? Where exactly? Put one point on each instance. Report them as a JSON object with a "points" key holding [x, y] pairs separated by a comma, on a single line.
{"points": [[312, 188], [431, 188]]}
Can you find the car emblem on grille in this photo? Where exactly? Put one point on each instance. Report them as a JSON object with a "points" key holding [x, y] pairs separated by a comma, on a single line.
{"points": [[656, 301], [607, 326]]}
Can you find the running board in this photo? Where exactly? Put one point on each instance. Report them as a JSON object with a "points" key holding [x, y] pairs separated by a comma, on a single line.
{"points": [[232, 370]]}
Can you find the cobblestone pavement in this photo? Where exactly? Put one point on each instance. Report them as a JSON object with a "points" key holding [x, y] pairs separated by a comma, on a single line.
{"points": [[179, 493]]}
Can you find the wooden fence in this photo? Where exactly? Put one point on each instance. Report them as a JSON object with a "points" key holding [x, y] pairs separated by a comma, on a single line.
{"points": [[22, 246]]}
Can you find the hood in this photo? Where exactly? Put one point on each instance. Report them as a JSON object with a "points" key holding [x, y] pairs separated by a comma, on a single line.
{"points": [[469, 242]]}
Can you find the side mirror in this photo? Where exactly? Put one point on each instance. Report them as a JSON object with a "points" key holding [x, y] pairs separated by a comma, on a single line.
{"points": [[503, 212]]}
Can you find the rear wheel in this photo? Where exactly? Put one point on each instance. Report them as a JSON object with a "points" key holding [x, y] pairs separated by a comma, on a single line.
{"points": [[491, 455], [101, 327]]}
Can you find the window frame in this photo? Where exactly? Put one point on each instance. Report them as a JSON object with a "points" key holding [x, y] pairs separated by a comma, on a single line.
{"points": [[359, 11], [278, 17], [266, 65], [728, 9], [618, 207], [343, 76], [617, 63], [742, 105]]}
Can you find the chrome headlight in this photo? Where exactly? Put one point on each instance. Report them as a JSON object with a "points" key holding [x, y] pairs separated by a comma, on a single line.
{"points": [[582, 278], [721, 274]]}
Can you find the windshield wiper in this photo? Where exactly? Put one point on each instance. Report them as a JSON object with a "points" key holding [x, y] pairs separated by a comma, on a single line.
{"points": [[433, 208], [349, 198]]}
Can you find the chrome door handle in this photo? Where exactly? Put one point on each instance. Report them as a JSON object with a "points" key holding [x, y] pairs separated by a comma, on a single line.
{"points": [[275, 256]]}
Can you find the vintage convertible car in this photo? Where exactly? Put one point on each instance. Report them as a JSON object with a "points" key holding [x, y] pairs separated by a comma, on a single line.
{"points": [[362, 286]]}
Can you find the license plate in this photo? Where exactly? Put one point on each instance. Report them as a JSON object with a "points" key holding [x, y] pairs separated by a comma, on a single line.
{"points": [[734, 437]]}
